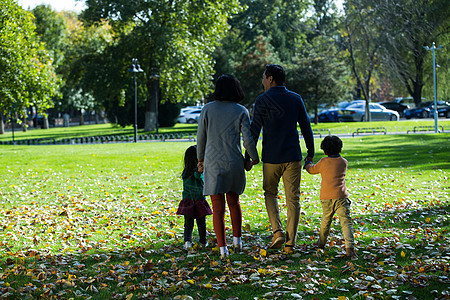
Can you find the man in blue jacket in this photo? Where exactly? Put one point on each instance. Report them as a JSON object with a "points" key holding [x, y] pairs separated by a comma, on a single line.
{"points": [[277, 112]]}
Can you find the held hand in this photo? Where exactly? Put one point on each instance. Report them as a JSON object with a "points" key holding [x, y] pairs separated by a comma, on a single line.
{"points": [[307, 165], [248, 165], [200, 167], [309, 158]]}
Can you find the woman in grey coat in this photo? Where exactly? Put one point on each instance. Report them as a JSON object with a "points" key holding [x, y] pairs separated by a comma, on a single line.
{"points": [[219, 153]]}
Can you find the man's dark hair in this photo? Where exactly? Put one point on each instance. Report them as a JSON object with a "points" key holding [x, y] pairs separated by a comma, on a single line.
{"points": [[228, 88], [331, 145], [277, 73]]}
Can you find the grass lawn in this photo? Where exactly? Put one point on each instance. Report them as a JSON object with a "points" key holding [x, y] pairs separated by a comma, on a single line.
{"points": [[98, 221]]}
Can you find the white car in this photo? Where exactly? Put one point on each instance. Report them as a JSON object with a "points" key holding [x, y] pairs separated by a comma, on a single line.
{"points": [[356, 112], [189, 114]]}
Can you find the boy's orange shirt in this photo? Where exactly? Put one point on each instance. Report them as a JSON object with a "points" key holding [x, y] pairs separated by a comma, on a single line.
{"points": [[332, 170]]}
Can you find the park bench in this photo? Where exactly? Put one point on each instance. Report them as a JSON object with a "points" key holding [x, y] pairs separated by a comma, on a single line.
{"points": [[424, 129], [320, 131], [371, 130]]}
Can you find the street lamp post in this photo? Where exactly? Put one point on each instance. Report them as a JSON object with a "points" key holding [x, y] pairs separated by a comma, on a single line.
{"points": [[155, 78], [434, 48], [135, 68]]}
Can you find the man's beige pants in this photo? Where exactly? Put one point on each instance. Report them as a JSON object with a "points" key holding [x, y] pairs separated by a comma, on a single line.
{"points": [[341, 207], [291, 173]]}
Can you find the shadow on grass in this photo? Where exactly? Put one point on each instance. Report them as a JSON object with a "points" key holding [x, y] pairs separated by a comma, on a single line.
{"points": [[164, 270], [413, 151]]}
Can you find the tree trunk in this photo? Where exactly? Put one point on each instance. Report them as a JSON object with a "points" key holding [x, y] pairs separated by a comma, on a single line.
{"points": [[367, 114], [96, 118], [24, 124], [2, 124], [45, 123], [367, 117], [316, 113], [81, 118], [150, 109], [150, 121], [418, 82]]}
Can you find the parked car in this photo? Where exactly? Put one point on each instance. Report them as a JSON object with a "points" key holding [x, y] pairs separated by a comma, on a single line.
{"points": [[331, 114], [444, 110], [188, 108], [356, 112], [397, 106], [190, 116], [426, 110], [409, 101]]}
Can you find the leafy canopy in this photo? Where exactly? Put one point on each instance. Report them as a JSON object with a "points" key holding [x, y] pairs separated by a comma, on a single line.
{"points": [[27, 77], [175, 37]]}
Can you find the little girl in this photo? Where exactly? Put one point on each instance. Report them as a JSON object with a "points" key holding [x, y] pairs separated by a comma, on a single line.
{"points": [[193, 205]]}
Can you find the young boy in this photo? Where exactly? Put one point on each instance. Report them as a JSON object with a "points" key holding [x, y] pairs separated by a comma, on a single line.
{"points": [[333, 192]]}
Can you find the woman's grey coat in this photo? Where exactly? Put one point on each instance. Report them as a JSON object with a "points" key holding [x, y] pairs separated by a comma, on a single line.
{"points": [[219, 143]]}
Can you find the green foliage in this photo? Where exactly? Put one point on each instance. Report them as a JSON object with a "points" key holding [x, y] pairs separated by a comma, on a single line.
{"points": [[319, 72], [250, 68], [177, 38], [27, 77], [82, 67], [51, 30], [168, 114], [408, 26], [363, 42], [265, 32]]}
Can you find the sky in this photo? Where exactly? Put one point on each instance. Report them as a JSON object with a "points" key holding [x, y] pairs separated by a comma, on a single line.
{"points": [[77, 6], [58, 5]]}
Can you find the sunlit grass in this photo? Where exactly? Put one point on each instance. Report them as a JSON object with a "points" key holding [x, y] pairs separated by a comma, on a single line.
{"points": [[113, 130], [89, 211]]}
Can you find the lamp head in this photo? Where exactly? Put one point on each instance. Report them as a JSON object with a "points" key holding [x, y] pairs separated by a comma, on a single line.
{"points": [[135, 67], [154, 75]]}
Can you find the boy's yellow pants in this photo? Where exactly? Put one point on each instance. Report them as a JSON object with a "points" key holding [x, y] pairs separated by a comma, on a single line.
{"points": [[341, 207]]}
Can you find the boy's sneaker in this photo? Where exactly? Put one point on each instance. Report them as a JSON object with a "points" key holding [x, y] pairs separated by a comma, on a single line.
{"points": [[187, 245], [203, 246]]}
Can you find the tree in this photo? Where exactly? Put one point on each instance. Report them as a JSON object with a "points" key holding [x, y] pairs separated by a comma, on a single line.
{"points": [[320, 74], [51, 30], [408, 26], [251, 66], [27, 77], [175, 37], [363, 42], [264, 32], [84, 67]]}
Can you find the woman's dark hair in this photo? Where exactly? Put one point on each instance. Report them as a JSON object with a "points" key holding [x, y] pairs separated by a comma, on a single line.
{"points": [[277, 73], [190, 162], [228, 88], [331, 145]]}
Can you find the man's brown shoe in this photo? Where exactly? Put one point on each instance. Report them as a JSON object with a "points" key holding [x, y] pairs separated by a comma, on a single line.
{"points": [[278, 240], [288, 249]]}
